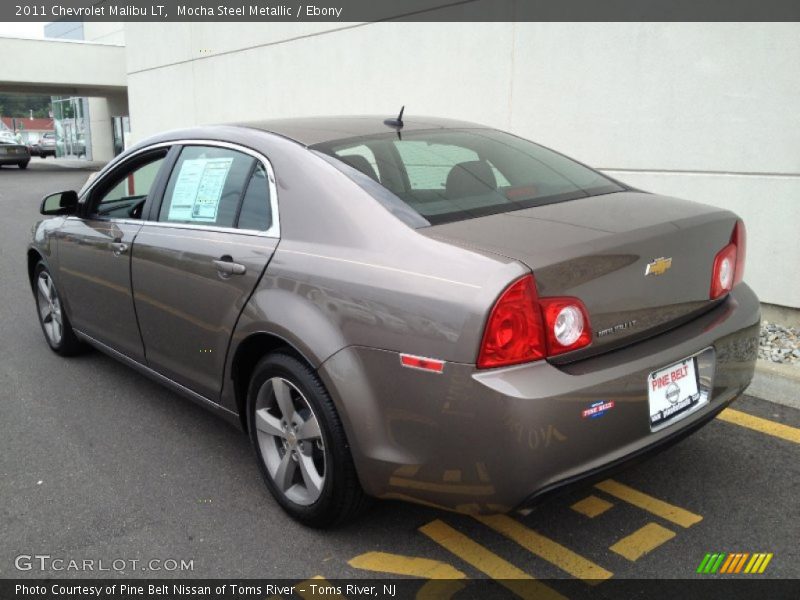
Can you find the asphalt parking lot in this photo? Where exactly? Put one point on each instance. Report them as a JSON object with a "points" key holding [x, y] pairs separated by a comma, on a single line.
{"points": [[98, 462]]}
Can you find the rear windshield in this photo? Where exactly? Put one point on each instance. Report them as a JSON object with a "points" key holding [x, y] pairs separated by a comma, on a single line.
{"points": [[456, 174]]}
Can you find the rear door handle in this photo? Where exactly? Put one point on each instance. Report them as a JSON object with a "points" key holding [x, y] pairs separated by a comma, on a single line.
{"points": [[226, 266], [118, 248]]}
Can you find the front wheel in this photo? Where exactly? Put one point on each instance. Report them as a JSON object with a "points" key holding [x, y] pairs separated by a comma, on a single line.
{"points": [[55, 324], [300, 443]]}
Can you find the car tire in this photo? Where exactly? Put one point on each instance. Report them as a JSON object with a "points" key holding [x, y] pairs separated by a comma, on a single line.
{"points": [[53, 318], [23, 165], [311, 476]]}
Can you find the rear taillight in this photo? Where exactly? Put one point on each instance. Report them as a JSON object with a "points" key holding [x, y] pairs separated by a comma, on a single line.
{"points": [[515, 331], [523, 327], [729, 263], [567, 324]]}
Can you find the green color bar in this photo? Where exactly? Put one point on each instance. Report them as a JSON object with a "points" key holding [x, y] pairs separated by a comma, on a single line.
{"points": [[719, 562], [711, 562], [703, 563]]}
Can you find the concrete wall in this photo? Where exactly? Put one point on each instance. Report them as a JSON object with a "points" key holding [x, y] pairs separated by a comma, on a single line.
{"points": [[103, 108], [703, 111], [59, 67]]}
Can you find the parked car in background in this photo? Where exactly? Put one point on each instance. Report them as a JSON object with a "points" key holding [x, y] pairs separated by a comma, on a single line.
{"points": [[403, 309], [14, 153], [47, 145]]}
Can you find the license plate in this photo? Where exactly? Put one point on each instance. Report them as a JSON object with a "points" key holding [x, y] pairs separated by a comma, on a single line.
{"points": [[673, 392]]}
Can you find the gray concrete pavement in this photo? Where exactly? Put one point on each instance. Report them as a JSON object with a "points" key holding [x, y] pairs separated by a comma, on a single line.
{"points": [[98, 462]]}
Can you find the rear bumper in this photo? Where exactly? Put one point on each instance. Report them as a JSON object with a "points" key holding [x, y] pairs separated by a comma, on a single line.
{"points": [[14, 160], [487, 441]]}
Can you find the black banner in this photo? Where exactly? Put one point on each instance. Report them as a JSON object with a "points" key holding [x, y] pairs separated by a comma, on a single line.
{"points": [[400, 10], [746, 587]]}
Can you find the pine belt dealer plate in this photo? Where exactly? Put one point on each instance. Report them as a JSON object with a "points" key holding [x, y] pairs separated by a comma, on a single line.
{"points": [[673, 392]]}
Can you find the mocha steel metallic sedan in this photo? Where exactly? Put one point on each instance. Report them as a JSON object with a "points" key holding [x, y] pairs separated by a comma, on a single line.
{"points": [[426, 310]]}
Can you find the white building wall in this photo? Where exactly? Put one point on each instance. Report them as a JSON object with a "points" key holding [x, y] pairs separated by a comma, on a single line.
{"points": [[705, 111], [103, 108]]}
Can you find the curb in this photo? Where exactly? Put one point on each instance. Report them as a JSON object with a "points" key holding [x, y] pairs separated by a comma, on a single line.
{"points": [[777, 383]]}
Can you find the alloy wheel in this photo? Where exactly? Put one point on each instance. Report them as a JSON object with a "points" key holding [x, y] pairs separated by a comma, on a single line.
{"points": [[290, 441], [49, 308]]}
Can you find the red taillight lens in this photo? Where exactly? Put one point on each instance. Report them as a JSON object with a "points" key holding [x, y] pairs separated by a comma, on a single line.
{"points": [[567, 324], [739, 239], [723, 272], [523, 327], [729, 263], [514, 332]]}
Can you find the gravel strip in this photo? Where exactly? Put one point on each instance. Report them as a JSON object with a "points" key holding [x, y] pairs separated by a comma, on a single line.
{"points": [[779, 344]]}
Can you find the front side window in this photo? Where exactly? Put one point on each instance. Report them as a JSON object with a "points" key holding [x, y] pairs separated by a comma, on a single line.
{"points": [[449, 175], [206, 186], [127, 192]]}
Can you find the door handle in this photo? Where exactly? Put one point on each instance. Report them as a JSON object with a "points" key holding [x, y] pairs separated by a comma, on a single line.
{"points": [[226, 266], [118, 248]]}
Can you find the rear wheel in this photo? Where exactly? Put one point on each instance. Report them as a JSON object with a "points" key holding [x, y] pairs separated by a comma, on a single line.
{"points": [[300, 443], [23, 165], [55, 324]]}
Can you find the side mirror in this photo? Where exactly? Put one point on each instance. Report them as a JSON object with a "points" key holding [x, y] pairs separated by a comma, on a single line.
{"points": [[61, 203]]}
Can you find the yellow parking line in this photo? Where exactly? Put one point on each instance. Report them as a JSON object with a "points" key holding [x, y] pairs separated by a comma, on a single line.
{"points": [[316, 594], [662, 509], [553, 552], [452, 476], [509, 576], [406, 471], [591, 506], [778, 430], [642, 541], [444, 577], [411, 566]]}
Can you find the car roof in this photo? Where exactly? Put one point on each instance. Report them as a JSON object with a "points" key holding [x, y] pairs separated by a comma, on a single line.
{"points": [[310, 131]]}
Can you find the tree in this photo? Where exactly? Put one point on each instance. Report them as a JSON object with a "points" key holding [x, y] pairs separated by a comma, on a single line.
{"points": [[21, 105]]}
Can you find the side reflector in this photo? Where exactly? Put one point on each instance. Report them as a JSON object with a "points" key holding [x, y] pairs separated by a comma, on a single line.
{"points": [[420, 362]]}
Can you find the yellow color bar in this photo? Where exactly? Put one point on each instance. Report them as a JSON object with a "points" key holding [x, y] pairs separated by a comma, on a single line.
{"points": [[753, 560], [764, 564], [642, 541], [778, 430], [553, 552], [662, 509], [757, 564], [514, 579]]}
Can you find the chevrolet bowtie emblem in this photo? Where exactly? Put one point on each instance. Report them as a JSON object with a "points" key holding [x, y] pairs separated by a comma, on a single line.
{"points": [[658, 267]]}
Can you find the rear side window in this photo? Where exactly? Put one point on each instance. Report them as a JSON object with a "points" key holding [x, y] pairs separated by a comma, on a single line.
{"points": [[206, 186], [449, 175], [255, 212]]}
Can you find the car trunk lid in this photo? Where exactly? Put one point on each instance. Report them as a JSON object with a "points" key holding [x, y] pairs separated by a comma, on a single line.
{"points": [[641, 263]]}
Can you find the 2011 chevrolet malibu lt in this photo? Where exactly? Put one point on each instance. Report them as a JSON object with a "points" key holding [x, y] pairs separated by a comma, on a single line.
{"points": [[417, 309]]}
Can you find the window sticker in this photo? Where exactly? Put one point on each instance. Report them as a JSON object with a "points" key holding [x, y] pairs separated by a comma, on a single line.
{"points": [[198, 189]]}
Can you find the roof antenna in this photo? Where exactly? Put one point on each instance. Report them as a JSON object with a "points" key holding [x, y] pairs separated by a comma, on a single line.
{"points": [[396, 123]]}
